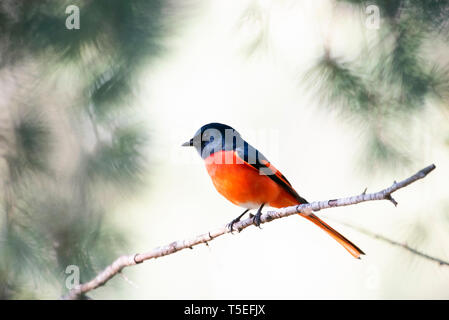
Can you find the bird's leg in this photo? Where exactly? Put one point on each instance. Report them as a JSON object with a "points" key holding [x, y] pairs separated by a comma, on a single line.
{"points": [[231, 224], [256, 218]]}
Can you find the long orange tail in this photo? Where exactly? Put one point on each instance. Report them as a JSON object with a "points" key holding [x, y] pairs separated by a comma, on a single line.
{"points": [[348, 245]]}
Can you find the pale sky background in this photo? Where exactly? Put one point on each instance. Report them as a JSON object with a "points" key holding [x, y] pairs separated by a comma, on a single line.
{"points": [[207, 77]]}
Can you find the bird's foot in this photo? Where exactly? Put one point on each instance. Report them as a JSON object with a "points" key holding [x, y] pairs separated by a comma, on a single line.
{"points": [[230, 225], [256, 218]]}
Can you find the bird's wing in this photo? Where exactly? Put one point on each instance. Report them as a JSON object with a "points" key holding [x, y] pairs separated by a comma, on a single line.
{"points": [[252, 157]]}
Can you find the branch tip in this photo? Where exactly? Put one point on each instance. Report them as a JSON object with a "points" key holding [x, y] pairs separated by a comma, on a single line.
{"points": [[390, 198]]}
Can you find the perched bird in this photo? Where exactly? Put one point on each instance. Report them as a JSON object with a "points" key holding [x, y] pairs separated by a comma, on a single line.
{"points": [[246, 178]]}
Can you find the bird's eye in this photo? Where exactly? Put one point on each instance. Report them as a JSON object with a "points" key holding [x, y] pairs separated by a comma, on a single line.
{"points": [[211, 138]]}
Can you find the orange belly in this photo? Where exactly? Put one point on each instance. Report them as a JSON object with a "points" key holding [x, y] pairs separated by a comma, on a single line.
{"points": [[243, 185]]}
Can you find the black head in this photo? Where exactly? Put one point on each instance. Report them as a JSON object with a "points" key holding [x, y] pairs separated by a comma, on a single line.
{"points": [[214, 137]]}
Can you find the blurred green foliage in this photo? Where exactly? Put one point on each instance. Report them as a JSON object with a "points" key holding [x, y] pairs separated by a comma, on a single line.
{"points": [[52, 212], [398, 71], [392, 79]]}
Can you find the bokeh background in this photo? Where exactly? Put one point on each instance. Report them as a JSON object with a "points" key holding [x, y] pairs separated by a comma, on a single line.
{"points": [[92, 120]]}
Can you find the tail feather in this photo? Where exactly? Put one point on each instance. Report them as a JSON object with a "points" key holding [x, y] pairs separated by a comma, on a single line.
{"points": [[348, 245]]}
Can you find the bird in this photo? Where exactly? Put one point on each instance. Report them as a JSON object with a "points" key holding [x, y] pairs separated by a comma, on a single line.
{"points": [[244, 176]]}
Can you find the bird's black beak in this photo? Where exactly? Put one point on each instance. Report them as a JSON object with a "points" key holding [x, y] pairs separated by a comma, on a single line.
{"points": [[188, 143]]}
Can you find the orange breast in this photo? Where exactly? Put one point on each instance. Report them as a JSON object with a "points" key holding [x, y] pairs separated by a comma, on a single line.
{"points": [[242, 184]]}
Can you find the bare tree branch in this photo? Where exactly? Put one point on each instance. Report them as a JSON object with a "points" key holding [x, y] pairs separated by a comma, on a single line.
{"points": [[126, 261]]}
